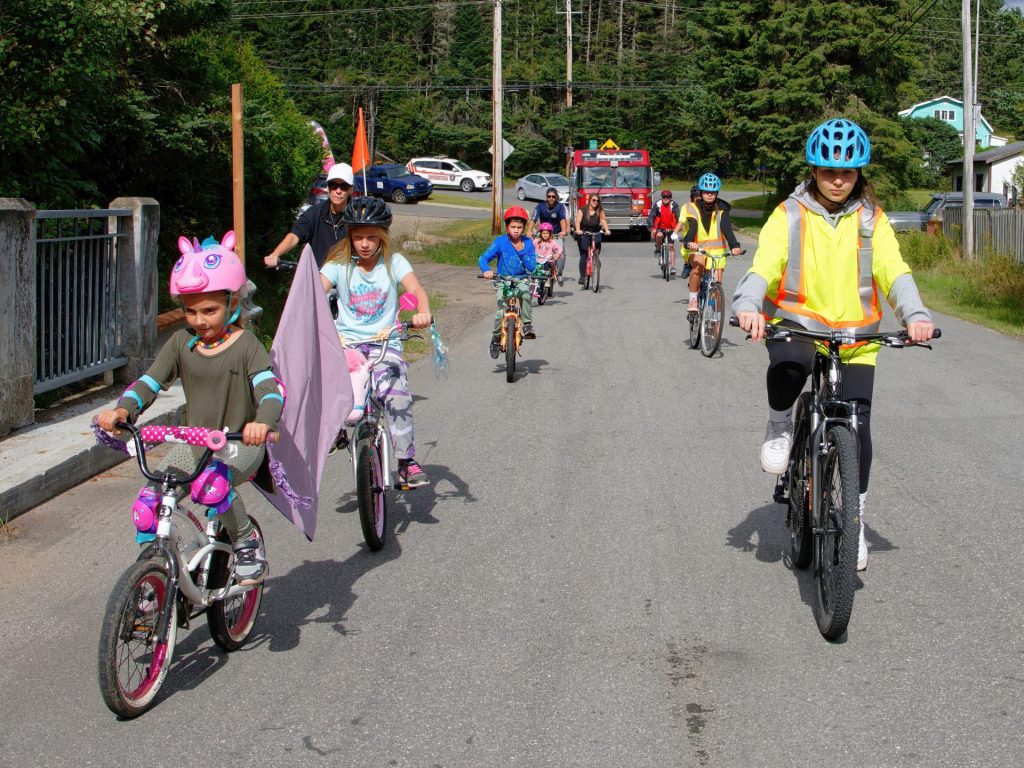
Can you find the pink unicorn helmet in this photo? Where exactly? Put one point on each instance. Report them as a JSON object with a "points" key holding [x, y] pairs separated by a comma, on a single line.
{"points": [[207, 267]]}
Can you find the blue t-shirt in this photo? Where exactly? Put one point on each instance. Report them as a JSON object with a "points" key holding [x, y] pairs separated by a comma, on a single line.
{"points": [[510, 261], [368, 304], [553, 216]]}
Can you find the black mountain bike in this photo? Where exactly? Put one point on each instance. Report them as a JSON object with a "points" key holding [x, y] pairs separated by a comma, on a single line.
{"points": [[821, 486]]}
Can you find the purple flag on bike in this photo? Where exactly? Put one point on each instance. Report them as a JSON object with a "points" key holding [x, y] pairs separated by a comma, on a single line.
{"points": [[308, 358]]}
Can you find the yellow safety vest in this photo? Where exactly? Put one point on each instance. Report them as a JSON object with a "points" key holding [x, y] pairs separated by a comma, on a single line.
{"points": [[790, 302]]}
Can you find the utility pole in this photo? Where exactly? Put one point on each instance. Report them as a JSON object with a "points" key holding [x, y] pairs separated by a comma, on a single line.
{"points": [[969, 133], [568, 51], [497, 139]]}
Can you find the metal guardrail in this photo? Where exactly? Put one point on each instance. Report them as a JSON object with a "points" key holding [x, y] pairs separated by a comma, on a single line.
{"points": [[77, 295], [999, 230]]}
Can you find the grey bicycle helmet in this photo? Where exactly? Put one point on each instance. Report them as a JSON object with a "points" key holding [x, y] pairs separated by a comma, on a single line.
{"points": [[366, 211]]}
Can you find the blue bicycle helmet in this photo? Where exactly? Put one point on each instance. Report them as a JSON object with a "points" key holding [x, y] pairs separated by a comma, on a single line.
{"points": [[838, 143], [709, 183]]}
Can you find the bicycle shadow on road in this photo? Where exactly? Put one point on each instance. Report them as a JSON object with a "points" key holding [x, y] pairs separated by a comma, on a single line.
{"points": [[764, 533], [315, 592], [524, 367], [417, 505]]}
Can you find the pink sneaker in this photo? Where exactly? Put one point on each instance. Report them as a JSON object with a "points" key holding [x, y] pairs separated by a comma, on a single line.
{"points": [[411, 474]]}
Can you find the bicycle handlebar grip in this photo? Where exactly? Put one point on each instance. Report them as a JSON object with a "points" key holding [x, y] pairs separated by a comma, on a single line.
{"points": [[734, 322], [937, 333]]}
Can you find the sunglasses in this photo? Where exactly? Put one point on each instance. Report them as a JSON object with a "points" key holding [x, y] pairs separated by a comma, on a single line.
{"points": [[338, 185]]}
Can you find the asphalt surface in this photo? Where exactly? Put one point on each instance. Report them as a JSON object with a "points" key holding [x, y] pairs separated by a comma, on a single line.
{"points": [[596, 577]]}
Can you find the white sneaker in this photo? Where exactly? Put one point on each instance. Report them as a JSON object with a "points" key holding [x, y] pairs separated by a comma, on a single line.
{"points": [[778, 441], [862, 549]]}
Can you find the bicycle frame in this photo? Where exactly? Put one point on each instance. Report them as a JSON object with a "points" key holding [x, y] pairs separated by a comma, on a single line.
{"points": [[513, 298], [166, 542]]}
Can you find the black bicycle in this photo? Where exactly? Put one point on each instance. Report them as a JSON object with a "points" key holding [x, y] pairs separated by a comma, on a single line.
{"points": [[821, 486]]}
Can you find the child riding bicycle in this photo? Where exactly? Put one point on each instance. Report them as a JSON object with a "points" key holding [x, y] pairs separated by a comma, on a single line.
{"points": [[549, 250], [210, 281], [707, 227], [516, 258], [368, 277], [826, 256]]}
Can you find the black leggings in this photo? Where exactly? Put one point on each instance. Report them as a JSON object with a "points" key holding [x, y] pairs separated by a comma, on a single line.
{"points": [[789, 365], [584, 243]]}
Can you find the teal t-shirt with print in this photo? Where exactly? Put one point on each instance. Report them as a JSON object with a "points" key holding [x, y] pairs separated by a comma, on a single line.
{"points": [[368, 303]]}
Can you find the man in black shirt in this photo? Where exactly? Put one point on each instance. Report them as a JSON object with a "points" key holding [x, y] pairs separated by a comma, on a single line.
{"points": [[320, 225]]}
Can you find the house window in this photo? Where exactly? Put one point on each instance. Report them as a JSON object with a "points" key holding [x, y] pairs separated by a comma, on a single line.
{"points": [[943, 114]]}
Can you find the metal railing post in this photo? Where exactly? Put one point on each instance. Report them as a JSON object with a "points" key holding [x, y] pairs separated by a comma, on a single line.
{"points": [[138, 286], [17, 313]]}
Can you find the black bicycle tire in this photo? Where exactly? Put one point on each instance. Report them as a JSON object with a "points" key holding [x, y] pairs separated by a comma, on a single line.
{"points": [[597, 271], [222, 625], [369, 490], [694, 319], [834, 590], [710, 328], [542, 293], [511, 337], [124, 603], [664, 262], [801, 551]]}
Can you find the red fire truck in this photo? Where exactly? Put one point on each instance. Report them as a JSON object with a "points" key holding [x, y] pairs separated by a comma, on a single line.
{"points": [[624, 180]]}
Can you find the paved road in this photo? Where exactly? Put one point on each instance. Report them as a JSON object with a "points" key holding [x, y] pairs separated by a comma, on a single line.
{"points": [[595, 578]]}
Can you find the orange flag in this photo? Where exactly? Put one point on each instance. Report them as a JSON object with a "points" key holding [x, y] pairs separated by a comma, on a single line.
{"points": [[360, 153]]}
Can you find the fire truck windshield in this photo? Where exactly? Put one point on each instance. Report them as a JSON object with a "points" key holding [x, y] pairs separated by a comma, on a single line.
{"points": [[623, 177]]}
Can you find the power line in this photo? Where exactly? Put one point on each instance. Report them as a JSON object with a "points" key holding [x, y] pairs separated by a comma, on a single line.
{"points": [[375, 10]]}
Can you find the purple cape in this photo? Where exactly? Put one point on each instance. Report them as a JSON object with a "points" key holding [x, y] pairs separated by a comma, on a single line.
{"points": [[308, 358]]}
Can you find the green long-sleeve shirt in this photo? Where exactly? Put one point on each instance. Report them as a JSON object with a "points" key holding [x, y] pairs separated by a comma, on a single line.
{"points": [[226, 390]]}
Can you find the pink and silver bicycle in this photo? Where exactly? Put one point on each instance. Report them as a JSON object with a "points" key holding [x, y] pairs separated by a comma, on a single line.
{"points": [[186, 568]]}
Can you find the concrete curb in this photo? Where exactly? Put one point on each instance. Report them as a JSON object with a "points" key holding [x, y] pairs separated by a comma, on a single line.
{"points": [[42, 461]]}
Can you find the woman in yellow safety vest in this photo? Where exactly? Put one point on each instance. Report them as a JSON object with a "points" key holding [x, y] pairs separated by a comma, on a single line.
{"points": [[705, 224], [824, 257]]}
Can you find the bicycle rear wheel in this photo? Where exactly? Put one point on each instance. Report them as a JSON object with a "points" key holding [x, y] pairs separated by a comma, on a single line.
{"points": [[799, 487], [711, 321], [835, 553], [596, 284], [232, 620], [511, 340], [542, 293], [133, 663], [370, 488]]}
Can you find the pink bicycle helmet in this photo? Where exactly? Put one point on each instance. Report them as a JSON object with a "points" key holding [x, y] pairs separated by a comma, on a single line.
{"points": [[207, 267], [546, 227]]}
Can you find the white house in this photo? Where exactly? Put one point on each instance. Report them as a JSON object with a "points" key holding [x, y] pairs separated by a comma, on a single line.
{"points": [[951, 111], [993, 170]]}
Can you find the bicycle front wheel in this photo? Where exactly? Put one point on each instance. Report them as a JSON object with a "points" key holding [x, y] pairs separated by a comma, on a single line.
{"points": [[664, 262], [511, 342], [133, 663], [835, 554], [370, 490], [596, 284], [711, 321], [232, 620]]}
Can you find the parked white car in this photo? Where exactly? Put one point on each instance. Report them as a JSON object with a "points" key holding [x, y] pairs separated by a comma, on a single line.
{"points": [[448, 172]]}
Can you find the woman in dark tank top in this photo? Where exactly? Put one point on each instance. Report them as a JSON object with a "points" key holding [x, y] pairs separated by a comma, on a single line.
{"points": [[589, 221]]}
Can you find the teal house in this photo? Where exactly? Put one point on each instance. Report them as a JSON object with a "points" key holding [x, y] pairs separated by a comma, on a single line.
{"points": [[951, 111]]}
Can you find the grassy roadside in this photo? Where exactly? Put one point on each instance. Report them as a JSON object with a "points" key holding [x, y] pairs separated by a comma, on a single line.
{"points": [[989, 292], [442, 198]]}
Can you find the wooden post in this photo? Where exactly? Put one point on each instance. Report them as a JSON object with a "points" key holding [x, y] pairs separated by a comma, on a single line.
{"points": [[498, 163], [238, 169]]}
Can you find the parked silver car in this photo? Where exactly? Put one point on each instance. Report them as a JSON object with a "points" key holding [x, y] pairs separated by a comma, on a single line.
{"points": [[533, 186], [906, 221]]}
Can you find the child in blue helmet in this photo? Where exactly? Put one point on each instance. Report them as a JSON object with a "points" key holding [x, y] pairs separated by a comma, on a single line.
{"points": [[706, 224], [814, 281]]}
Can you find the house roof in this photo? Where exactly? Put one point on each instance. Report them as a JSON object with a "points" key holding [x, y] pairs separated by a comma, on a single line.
{"points": [[990, 156], [936, 100]]}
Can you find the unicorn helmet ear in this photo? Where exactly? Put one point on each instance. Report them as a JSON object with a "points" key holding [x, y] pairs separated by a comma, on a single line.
{"points": [[196, 245], [228, 241], [184, 245]]}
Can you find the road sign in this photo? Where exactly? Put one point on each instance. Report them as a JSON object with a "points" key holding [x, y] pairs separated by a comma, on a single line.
{"points": [[506, 150], [609, 145]]}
